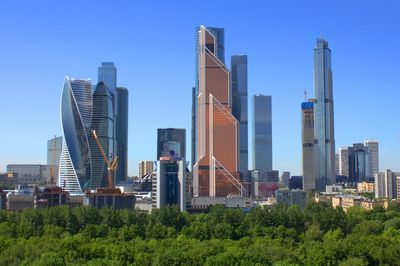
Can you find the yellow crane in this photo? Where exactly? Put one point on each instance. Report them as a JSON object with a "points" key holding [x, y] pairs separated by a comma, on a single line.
{"points": [[111, 165]]}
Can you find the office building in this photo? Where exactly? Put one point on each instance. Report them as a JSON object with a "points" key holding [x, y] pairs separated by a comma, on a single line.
{"points": [[307, 137], [239, 107], [171, 142], [262, 132], [103, 124], [28, 173], [107, 73], [323, 117], [359, 163], [342, 155], [386, 184], [219, 52], [76, 119], [145, 167], [289, 197], [265, 182], [296, 182], [284, 179], [169, 187], [121, 105], [373, 147], [215, 171], [54, 147]]}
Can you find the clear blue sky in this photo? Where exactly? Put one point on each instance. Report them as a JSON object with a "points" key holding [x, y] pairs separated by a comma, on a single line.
{"points": [[152, 45]]}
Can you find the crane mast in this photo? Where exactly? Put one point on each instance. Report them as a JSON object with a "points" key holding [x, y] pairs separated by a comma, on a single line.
{"points": [[111, 165]]}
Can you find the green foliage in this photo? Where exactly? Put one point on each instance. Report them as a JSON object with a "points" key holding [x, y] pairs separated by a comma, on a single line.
{"points": [[280, 236]]}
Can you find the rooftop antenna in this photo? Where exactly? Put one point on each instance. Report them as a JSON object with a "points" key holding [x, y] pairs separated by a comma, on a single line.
{"points": [[305, 95]]}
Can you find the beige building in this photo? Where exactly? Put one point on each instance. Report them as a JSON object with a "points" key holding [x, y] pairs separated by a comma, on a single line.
{"points": [[145, 167], [363, 187]]}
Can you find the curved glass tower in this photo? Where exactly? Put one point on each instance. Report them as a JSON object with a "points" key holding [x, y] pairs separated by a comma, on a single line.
{"points": [[76, 119]]}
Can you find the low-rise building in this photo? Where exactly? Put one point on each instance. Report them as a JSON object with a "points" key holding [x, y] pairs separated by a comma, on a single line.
{"points": [[365, 187], [289, 197], [109, 197]]}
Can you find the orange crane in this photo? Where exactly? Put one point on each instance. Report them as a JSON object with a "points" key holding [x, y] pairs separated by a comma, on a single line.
{"points": [[111, 166]]}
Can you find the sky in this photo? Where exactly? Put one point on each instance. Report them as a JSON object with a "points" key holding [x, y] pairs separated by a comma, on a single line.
{"points": [[152, 45]]}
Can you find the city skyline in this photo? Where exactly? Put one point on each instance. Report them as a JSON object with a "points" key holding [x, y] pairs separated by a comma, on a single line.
{"points": [[356, 75]]}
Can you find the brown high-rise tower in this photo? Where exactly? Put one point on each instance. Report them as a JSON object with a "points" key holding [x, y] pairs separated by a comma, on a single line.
{"points": [[215, 171]]}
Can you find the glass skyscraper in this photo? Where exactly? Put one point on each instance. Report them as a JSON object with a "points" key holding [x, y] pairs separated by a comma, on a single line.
{"points": [[262, 132], [76, 119], [171, 142], [215, 171], [107, 73], [239, 107], [219, 39], [121, 132], [323, 117], [103, 123]]}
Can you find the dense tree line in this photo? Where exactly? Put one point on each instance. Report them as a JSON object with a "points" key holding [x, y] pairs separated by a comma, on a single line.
{"points": [[317, 235]]}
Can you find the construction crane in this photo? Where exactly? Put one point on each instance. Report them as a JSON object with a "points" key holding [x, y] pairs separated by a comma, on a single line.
{"points": [[111, 165]]}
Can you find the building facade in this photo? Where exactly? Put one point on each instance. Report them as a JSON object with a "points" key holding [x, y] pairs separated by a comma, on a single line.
{"points": [[323, 117], [239, 107], [121, 104], [343, 161], [103, 124], [215, 171], [170, 187], [373, 147], [386, 184], [76, 119], [145, 167], [171, 142], [28, 173], [307, 137], [54, 147], [107, 73], [262, 132], [219, 52]]}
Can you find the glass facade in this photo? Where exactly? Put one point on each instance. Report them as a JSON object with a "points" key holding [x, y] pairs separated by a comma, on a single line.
{"points": [[215, 171], [121, 132], [76, 118], [107, 73], [239, 107], [171, 142], [262, 132], [103, 123], [323, 117], [219, 38]]}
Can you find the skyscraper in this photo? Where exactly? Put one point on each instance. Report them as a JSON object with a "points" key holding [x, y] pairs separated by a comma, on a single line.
{"points": [[76, 119], [239, 107], [343, 161], [121, 101], [171, 142], [358, 163], [262, 132], [215, 171], [219, 38], [307, 135], [107, 73], [103, 124], [323, 117], [170, 187], [373, 147], [54, 147]]}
